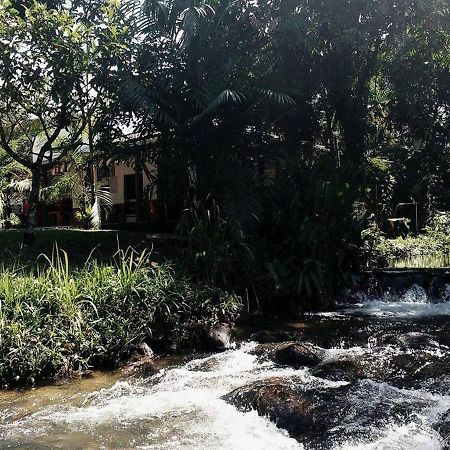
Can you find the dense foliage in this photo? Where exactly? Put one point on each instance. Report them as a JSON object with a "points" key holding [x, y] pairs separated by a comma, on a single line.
{"points": [[284, 129], [305, 121], [429, 249], [56, 322]]}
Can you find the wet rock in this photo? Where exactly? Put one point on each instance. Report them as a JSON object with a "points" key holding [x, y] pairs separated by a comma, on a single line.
{"points": [[145, 350], [294, 354], [297, 354], [142, 362], [139, 365], [411, 340], [345, 369], [410, 368], [402, 369], [306, 413], [277, 399], [443, 428], [219, 337]]}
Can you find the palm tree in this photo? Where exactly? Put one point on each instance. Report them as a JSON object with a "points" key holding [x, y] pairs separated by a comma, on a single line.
{"points": [[198, 88]]}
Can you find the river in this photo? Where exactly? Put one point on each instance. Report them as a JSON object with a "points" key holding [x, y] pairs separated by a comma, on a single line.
{"points": [[396, 403]]}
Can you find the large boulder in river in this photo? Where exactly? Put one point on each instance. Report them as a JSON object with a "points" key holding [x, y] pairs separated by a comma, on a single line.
{"points": [[293, 354], [321, 415], [277, 399], [218, 337]]}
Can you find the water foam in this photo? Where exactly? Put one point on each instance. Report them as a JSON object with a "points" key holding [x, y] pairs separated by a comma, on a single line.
{"points": [[409, 436], [400, 309], [178, 408], [413, 303]]}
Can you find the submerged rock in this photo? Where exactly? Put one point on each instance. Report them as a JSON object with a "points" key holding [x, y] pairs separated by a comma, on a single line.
{"points": [[218, 337], [294, 354]]}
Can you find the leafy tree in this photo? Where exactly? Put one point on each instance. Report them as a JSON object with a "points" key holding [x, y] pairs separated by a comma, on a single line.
{"points": [[54, 79]]}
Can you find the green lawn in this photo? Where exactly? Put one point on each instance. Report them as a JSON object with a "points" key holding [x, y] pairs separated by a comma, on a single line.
{"points": [[80, 244]]}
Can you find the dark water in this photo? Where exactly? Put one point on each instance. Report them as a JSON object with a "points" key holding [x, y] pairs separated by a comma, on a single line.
{"points": [[396, 402]]}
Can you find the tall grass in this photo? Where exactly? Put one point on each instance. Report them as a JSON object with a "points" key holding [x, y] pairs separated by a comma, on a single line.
{"points": [[57, 322]]}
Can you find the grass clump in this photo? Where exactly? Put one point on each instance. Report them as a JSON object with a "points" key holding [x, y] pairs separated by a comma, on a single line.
{"points": [[56, 322], [414, 247]]}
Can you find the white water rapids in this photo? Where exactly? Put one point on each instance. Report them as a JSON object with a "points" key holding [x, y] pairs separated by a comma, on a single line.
{"points": [[182, 408]]}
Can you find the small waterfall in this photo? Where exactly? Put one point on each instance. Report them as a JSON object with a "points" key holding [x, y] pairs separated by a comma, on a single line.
{"points": [[398, 293]]}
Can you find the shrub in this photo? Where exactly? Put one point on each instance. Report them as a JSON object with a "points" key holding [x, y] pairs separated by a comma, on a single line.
{"points": [[55, 322], [435, 241]]}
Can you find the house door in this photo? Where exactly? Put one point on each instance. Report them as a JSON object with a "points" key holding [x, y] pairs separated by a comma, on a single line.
{"points": [[130, 197]]}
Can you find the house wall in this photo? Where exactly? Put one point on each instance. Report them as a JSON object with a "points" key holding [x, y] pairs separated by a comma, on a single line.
{"points": [[123, 212], [116, 181], [113, 177]]}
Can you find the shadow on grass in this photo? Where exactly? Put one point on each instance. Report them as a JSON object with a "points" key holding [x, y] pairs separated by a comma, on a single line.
{"points": [[80, 245]]}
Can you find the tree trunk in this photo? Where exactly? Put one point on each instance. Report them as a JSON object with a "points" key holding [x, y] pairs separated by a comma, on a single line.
{"points": [[33, 200]]}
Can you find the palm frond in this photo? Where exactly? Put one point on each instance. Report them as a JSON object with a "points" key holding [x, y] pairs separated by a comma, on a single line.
{"points": [[103, 205], [157, 10], [226, 96], [21, 186], [61, 187], [2, 208], [277, 97], [149, 101], [242, 205]]}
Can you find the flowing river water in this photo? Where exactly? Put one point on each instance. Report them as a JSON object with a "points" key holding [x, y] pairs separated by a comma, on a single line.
{"points": [[397, 399]]}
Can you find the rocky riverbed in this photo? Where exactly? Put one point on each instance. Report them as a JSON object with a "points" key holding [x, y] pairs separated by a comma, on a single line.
{"points": [[370, 375]]}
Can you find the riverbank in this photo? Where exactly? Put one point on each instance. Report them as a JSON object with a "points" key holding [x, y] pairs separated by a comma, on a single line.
{"points": [[57, 321], [360, 377]]}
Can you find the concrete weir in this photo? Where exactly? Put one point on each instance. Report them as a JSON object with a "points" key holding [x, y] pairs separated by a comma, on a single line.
{"points": [[432, 283]]}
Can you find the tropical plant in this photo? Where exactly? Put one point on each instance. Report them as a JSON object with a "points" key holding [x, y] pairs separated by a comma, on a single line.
{"points": [[217, 251], [197, 91], [94, 202]]}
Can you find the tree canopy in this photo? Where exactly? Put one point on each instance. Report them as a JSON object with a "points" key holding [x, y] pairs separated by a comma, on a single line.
{"points": [[301, 121]]}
